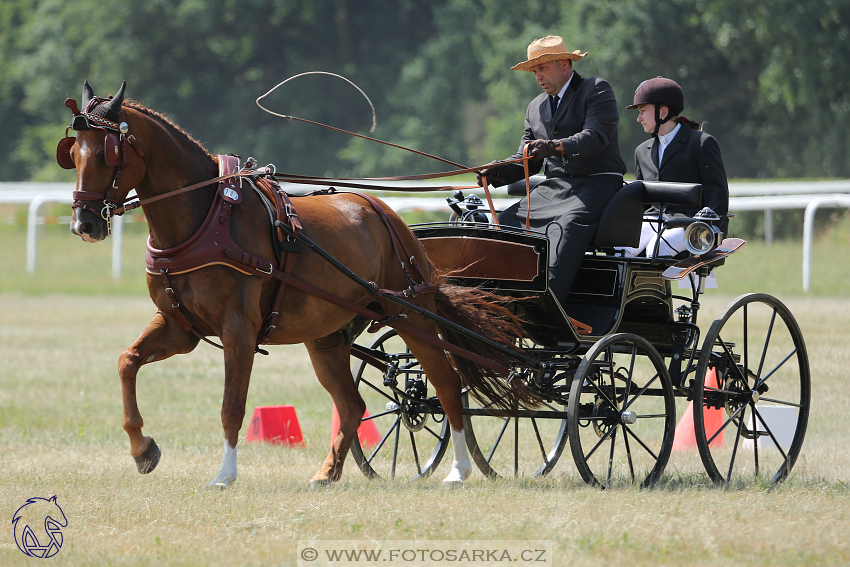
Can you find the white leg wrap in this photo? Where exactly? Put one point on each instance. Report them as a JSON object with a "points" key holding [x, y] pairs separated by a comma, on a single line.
{"points": [[461, 466], [227, 473]]}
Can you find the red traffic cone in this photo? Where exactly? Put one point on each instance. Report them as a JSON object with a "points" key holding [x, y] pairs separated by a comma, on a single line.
{"points": [[685, 437], [275, 424], [367, 432]]}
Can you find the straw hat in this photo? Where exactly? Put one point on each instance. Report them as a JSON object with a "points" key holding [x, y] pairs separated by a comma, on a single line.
{"points": [[545, 49]]}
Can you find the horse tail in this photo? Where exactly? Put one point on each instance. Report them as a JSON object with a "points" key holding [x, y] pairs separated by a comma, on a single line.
{"points": [[488, 315]]}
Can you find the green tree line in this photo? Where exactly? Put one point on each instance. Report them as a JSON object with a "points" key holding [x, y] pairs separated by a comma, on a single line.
{"points": [[768, 78]]}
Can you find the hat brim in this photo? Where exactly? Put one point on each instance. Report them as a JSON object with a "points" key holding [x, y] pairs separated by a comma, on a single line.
{"points": [[547, 57]]}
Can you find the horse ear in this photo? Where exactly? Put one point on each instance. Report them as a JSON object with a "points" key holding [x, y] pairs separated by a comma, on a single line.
{"points": [[88, 93], [115, 103]]}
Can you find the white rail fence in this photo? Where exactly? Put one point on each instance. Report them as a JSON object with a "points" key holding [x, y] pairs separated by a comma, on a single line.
{"points": [[755, 196]]}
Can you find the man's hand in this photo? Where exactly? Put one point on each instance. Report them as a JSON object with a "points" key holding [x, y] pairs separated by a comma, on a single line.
{"points": [[542, 149], [491, 173]]}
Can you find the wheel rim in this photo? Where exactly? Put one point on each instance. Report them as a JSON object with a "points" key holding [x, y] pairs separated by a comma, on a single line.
{"points": [[413, 441], [752, 424], [622, 413]]}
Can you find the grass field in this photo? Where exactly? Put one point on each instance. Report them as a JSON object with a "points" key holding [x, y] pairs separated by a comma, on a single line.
{"points": [[61, 332]]}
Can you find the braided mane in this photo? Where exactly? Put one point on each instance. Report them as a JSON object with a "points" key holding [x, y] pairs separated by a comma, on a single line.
{"points": [[135, 105]]}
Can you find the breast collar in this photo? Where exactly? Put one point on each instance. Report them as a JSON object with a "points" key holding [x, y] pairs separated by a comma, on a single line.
{"points": [[212, 243]]}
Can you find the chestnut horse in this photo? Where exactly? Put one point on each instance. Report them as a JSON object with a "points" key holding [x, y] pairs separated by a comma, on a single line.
{"points": [[218, 300]]}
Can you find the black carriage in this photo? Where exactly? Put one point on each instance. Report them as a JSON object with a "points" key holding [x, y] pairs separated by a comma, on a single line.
{"points": [[611, 360]]}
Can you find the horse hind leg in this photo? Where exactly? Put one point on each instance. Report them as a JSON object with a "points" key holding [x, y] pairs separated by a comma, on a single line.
{"points": [[161, 339], [448, 387], [331, 361]]}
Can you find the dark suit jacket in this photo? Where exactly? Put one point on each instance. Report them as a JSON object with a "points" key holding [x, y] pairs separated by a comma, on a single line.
{"points": [[585, 122], [692, 157]]}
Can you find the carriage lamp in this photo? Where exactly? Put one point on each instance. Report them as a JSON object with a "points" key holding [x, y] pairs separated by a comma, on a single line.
{"points": [[703, 236]]}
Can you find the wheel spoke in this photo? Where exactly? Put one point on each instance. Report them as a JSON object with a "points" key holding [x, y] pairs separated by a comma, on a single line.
{"points": [[516, 446], [746, 342], [539, 441], [731, 358], [395, 453], [735, 447], [629, 379], [415, 453], [728, 421], [381, 444], [377, 415], [601, 440], [769, 432], [642, 444], [755, 444], [642, 390], [592, 383], [378, 390], [628, 452], [429, 430], [766, 343], [498, 439], [781, 402], [777, 367], [611, 455]]}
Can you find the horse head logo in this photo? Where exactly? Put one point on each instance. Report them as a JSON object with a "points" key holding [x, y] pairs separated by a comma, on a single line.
{"points": [[38, 527]]}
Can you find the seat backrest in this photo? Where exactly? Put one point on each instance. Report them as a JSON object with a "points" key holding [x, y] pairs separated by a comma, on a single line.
{"points": [[621, 220], [670, 193]]}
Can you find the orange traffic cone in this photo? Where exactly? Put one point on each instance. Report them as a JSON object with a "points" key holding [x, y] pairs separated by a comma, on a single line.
{"points": [[274, 424], [685, 437], [367, 432]]}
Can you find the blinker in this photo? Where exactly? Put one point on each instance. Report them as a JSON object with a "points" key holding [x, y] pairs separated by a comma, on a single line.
{"points": [[112, 150], [63, 152]]}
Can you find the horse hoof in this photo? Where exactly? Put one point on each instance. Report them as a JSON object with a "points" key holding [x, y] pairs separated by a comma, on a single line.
{"points": [[319, 483], [451, 484], [147, 461]]}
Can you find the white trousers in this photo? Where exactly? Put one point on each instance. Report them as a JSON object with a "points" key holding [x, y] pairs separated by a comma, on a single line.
{"points": [[672, 243]]}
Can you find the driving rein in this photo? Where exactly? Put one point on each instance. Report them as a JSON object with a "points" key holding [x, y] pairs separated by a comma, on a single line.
{"points": [[212, 244]]}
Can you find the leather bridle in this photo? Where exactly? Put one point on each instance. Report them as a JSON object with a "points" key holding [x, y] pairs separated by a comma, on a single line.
{"points": [[121, 150]]}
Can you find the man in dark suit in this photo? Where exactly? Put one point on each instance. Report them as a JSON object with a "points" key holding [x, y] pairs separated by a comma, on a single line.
{"points": [[676, 151], [571, 132]]}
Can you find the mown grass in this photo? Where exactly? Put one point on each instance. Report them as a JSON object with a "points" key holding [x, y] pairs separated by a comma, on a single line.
{"points": [[60, 433], [62, 329]]}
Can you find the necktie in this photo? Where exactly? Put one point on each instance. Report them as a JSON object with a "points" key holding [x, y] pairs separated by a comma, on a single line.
{"points": [[553, 104]]}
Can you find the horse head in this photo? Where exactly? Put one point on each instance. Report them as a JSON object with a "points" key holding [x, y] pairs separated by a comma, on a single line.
{"points": [[107, 159]]}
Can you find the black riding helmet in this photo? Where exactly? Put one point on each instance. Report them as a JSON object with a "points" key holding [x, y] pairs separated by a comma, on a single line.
{"points": [[660, 92]]}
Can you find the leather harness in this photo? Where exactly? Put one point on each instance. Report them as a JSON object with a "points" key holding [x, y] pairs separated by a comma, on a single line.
{"points": [[213, 244]]}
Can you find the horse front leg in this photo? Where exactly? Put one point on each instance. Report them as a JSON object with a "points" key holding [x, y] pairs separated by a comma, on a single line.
{"points": [[239, 344], [160, 340]]}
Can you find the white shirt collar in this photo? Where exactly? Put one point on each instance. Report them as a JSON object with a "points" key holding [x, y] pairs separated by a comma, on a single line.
{"points": [[668, 137], [665, 140]]}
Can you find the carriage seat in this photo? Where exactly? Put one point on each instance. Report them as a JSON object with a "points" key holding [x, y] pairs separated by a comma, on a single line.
{"points": [[620, 223]]}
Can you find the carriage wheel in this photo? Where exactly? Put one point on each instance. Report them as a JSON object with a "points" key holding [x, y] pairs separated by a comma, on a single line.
{"points": [[753, 419], [413, 439], [622, 413], [526, 446]]}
